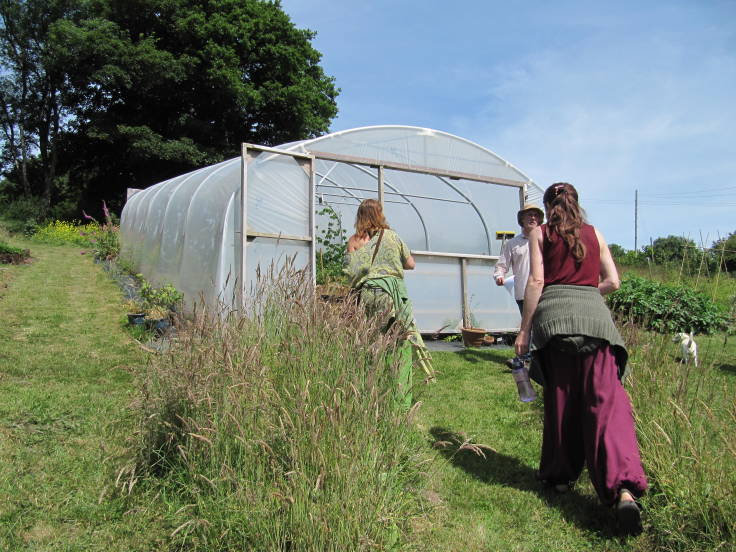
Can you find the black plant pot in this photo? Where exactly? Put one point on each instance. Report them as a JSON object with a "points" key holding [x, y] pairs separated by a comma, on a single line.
{"points": [[159, 325], [137, 318]]}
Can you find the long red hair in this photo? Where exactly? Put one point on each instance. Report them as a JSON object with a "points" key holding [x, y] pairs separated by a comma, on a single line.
{"points": [[369, 219], [565, 216]]}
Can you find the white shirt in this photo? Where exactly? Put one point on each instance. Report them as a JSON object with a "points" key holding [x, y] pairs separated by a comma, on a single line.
{"points": [[515, 256]]}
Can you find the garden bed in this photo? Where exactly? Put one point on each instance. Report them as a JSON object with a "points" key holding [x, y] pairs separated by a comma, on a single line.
{"points": [[13, 255]]}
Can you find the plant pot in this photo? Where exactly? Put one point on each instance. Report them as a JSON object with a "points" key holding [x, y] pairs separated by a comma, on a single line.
{"points": [[473, 337], [136, 318], [159, 325], [489, 340], [162, 325]]}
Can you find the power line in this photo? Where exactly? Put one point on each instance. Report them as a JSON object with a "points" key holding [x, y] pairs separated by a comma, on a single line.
{"points": [[687, 203], [661, 202]]}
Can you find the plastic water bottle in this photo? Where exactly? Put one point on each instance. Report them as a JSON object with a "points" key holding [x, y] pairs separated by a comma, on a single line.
{"points": [[521, 376]]}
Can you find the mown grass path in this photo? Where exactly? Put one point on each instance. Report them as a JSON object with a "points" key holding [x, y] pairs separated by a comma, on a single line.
{"points": [[66, 368], [495, 503]]}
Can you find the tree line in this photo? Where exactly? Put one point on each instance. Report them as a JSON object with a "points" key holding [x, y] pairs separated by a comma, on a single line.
{"points": [[682, 252], [101, 95]]}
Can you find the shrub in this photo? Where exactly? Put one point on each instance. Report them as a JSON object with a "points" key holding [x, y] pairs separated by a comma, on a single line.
{"points": [[165, 298], [665, 308], [105, 242], [22, 215], [672, 249], [10, 254], [631, 258], [9, 249], [331, 254], [724, 252], [279, 430], [59, 232], [105, 238]]}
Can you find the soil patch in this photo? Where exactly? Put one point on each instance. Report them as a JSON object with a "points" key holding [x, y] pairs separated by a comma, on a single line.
{"points": [[15, 258]]}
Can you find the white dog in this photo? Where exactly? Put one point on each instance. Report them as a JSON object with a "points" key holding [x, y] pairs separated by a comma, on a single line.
{"points": [[688, 347]]}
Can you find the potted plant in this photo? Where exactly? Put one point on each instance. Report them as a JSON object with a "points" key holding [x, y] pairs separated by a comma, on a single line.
{"points": [[136, 313], [473, 335], [155, 307], [160, 303], [158, 319]]}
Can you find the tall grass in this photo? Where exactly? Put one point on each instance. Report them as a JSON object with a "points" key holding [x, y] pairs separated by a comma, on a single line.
{"points": [[685, 419], [279, 430]]}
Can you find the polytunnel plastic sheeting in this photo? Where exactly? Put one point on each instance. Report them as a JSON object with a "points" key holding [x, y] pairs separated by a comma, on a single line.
{"points": [[204, 240], [284, 212], [155, 225], [534, 194], [424, 205], [490, 306], [465, 220], [263, 254], [184, 231], [174, 223], [420, 147], [436, 292], [173, 231]]}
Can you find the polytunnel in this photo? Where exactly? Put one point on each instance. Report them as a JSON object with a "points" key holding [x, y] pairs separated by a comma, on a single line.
{"points": [[451, 200]]}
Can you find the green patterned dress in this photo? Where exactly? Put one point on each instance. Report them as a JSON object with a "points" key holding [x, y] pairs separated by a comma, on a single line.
{"points": [[383, 293]]}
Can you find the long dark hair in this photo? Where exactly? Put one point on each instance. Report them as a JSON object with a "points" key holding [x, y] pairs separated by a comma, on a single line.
{"points": [[565, 216]]}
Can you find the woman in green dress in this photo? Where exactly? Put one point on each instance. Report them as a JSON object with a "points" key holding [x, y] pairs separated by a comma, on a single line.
{"points": [[377, 258]]}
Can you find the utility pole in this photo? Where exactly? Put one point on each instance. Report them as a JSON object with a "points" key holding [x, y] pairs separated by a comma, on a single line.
{"points": [[636, 219]]}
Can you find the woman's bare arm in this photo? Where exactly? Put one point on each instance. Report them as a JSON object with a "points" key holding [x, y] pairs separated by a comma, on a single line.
{"points": [[409, 263], [609, 275]]}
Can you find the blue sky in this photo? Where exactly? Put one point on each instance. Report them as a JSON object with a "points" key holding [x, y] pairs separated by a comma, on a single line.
{"points": [[613, 97]]}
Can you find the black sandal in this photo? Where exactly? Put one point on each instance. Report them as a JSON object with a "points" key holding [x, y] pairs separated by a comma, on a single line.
{"points": [[628, 514]]}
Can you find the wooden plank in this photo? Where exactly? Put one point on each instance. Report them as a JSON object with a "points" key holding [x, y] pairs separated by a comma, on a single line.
{"points": [[417, 169]]}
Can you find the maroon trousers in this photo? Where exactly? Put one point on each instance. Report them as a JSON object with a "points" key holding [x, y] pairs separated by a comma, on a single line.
{"points": [[587, 418]]}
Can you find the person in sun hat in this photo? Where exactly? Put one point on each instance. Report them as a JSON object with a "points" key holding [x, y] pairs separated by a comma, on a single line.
{"points": [[515, 254]]}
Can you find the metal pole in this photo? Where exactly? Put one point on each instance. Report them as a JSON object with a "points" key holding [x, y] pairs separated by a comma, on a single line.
{"points": [[464, 287], [241, 241], [380, 184], [312, 221]]}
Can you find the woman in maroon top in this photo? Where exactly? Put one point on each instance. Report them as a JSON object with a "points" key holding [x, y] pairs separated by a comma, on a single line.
{"points": [[581, 357]]}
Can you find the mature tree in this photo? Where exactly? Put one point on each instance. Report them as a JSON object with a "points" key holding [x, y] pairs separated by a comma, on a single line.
{"points": [[724, 252], [672, 249], [616, 250], [152, 88], [31, 91]]}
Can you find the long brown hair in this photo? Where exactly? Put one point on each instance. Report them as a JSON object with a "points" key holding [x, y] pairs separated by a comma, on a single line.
{"points": [[369, 219], [565, 216]]}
